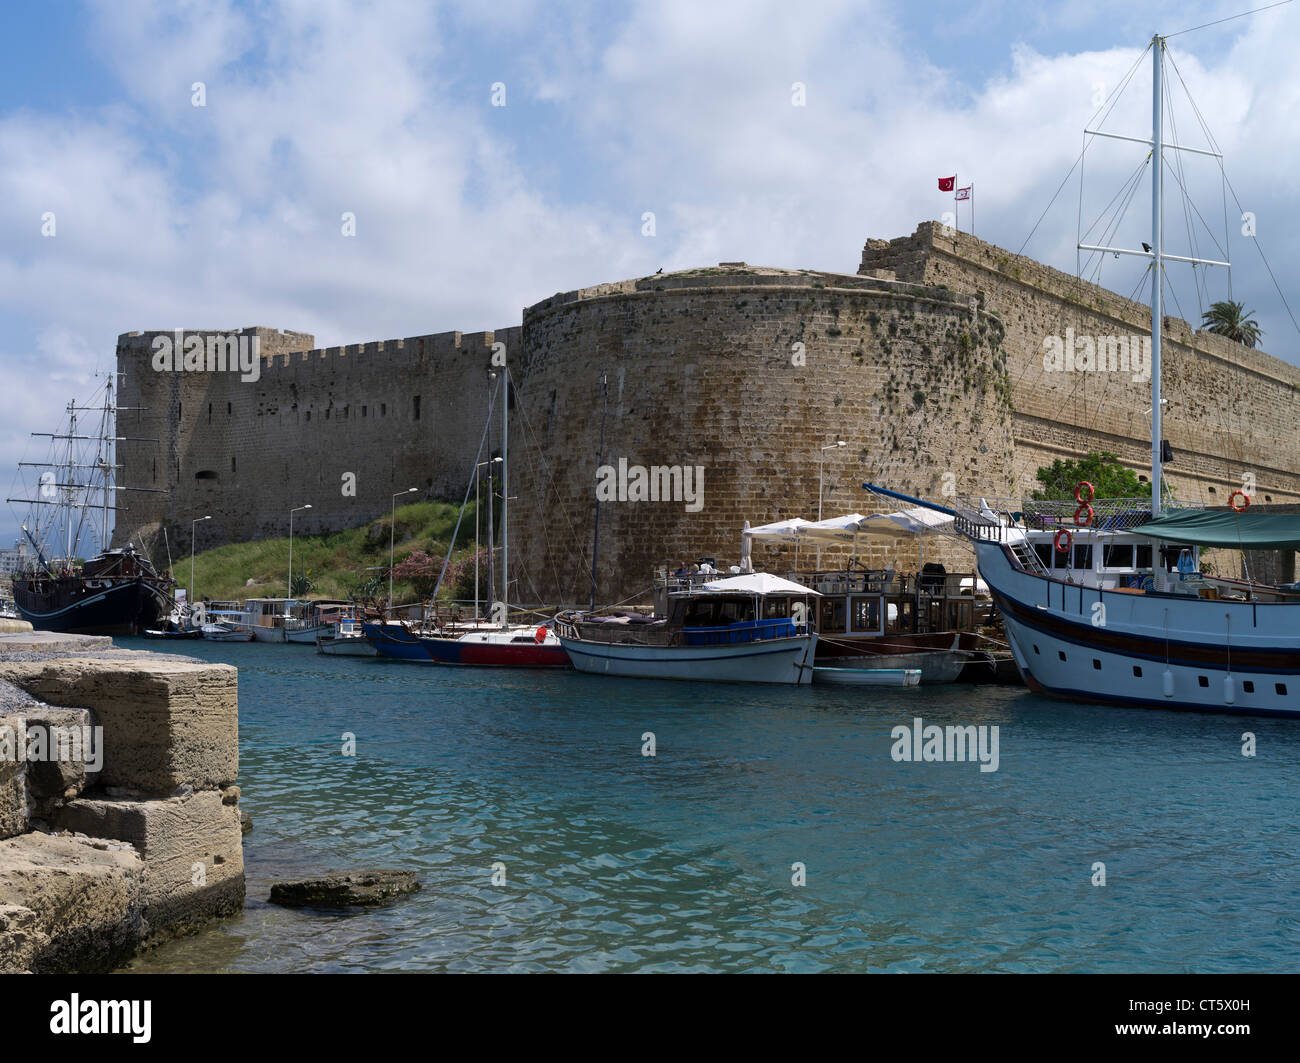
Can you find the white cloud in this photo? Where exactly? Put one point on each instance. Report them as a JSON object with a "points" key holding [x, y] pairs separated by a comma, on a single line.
{"points": [[229, 215]]}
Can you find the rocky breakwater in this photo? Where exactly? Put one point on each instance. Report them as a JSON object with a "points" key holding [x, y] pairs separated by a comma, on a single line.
{"points": [[119, 816]]}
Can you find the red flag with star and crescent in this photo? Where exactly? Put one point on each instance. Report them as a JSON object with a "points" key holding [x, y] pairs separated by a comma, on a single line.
{"points": [[946, 183]]}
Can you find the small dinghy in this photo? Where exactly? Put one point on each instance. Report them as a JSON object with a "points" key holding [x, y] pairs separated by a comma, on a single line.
{"points": [[868, 677]]}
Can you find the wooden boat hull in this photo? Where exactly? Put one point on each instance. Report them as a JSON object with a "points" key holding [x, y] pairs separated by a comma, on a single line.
{"points": [[91, 606], [351, 646], [779, 660]]}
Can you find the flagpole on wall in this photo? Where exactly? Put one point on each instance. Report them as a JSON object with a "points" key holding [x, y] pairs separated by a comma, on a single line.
{"points": [[956, 210], [972, 208]]}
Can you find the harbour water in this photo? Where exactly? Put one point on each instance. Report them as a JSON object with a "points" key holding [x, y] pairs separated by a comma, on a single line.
{"points": [[615, 861]]}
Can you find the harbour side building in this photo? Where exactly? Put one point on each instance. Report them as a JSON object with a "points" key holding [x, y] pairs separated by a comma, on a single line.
{"points": [[947, 365]]}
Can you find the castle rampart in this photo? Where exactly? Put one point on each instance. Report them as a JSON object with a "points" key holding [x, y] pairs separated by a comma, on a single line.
{"points": [[929, 363]]}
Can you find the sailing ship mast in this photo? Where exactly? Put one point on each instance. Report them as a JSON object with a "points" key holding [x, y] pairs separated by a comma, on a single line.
{"points": [[1156, 254]]}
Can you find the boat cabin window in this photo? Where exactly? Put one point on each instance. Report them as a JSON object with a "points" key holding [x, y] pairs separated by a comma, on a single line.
{"points": [[865, 615], [1044, 552], [1117, 556], [703, 613], [832, 615], [1083, 558], [776, 608], [1143, 555], [900, 615]]}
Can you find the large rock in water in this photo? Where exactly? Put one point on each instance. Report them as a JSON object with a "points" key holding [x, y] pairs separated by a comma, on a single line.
{"points": [[348, 889]]}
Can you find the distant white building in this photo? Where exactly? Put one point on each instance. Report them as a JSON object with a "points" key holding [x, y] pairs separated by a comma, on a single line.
{"points": [[15, 560]]}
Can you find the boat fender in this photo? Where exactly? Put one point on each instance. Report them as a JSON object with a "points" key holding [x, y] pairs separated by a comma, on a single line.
{"points": [[1229, 690], [540, 636], [1245, 501], [1079, 492], [1167, 682], [1068, 537], [1083, 515]]}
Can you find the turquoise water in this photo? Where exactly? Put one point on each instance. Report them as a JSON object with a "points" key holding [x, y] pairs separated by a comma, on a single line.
{"points": [[683, 862]]}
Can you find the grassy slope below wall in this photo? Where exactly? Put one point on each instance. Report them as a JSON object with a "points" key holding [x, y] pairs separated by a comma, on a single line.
{"points": [[338, 562]]}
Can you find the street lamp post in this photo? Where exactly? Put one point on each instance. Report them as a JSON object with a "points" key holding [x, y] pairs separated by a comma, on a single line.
{"points": [[288, 593], [196, 521], [821, 468], [391, 525]]}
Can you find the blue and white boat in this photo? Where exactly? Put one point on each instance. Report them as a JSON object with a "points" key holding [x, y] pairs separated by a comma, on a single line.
{"points": [[753, 628]]}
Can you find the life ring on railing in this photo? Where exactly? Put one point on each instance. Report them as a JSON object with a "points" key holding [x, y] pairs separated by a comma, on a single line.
{"points": [[1069, 538], [1081, 518], [540, 635], [1245, 501], [1078, 492]]}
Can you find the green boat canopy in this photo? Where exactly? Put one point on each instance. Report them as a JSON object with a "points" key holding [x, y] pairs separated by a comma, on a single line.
{"points": [[1243, 531]]}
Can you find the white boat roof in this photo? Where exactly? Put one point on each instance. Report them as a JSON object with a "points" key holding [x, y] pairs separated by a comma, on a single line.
{"points": [[757, 583]]}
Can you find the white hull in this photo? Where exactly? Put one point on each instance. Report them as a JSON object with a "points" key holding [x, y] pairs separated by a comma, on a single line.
{"points": [[352, 646], [874, 677], [1170, 651], [306, 636], [784, 660]]}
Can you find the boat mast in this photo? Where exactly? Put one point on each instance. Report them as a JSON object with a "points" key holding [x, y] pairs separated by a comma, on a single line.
{"points": [[505, 493], [491, 532], [1157, 54], [72, 455]]}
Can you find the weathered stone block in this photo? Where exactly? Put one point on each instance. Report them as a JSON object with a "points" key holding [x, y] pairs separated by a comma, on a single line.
{"points": [[21, 938], [85, 895], [13, 776], [192, 847], [167, 723], [66, 761]]}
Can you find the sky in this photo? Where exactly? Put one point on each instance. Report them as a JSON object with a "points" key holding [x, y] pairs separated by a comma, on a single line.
{"points": [[775, 133]]}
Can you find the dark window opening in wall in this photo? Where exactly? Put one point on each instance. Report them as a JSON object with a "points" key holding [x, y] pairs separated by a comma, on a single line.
{"points": [[327, 413], [308, 415], [1213, 491], [345, 412], [383, 409], [206, 474], [363, 411], [227, 409], [232, 463], [1268, 498], [415, 415], [155, 470], [209, 413]]}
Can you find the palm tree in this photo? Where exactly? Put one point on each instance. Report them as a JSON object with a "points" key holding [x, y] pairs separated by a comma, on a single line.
{"points": [[1232, 320]]}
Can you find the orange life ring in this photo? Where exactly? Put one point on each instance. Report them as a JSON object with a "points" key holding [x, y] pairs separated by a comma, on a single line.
{"points": [[1080, 518], [540, 636], [1245, 501], [1078, 492], [1069, 538]]}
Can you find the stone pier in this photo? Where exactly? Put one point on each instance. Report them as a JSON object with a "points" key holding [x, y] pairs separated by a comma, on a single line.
{"points": [[119, 816]]}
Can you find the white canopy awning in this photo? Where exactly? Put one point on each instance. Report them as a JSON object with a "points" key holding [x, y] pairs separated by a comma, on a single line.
{"points": [[781, 529], [915, 521], [757, 583]]}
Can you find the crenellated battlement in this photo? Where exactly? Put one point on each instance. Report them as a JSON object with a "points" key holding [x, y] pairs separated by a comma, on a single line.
{"points": [[929, 362]]}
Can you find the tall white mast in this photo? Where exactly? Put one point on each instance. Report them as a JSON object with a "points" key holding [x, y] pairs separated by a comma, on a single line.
{"points": [[505, 493], [1157, 47]]}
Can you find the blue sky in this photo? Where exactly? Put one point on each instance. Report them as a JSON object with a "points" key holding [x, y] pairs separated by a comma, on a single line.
{"points": [[229, 214]]}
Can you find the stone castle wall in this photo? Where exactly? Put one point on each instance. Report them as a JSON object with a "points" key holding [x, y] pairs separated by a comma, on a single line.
{"points": [[1230, 410], [395, 414], [928, 363]]}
